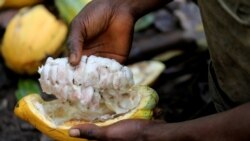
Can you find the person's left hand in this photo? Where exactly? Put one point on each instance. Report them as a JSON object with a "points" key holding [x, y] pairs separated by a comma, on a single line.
{"points": [[126, 130]]}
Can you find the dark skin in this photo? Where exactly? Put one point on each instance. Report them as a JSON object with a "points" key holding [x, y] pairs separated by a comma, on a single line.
{"points": [[104, 28]]}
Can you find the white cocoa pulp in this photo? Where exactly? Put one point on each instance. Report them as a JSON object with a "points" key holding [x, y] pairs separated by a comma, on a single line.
{"points": [[96, 85]]}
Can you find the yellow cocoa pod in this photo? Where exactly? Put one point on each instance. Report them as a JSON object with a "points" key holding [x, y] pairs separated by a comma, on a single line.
{"points": [[52, 117], [31, 36], [17, 3]]}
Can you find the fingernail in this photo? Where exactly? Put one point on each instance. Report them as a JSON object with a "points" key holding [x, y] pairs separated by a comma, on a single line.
{"points": [[72, 57], [74, 132]]}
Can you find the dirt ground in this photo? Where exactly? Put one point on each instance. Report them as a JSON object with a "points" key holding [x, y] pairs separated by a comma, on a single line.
{"points": [[11, 128]]}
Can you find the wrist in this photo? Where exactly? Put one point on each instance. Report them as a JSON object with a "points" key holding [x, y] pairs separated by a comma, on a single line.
{"points": [[139, 8], [151, 131], [162, 131]]}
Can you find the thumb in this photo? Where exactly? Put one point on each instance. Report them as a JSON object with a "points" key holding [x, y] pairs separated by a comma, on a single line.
{"points": [[75, 43], [88, 131]]}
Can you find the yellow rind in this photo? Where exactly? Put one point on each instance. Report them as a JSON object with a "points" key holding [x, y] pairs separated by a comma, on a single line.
{"points": [[36, 33], [1, 3], [17, 3], [26, 110]]}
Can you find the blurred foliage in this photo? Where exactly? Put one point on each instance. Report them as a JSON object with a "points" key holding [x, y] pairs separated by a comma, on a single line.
{"points": [[26, 87], [144, 22]]}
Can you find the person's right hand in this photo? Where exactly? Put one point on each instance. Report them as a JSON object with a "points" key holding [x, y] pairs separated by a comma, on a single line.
{"points": [[103, 28]]}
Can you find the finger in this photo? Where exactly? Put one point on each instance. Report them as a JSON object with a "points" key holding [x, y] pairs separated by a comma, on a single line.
{"points": [[119, 58], [106, 54], [75, 43], [88, 131]]}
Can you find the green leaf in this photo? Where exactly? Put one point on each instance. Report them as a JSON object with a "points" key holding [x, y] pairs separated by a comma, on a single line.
{"points": [[26, 87], [144, 22]]}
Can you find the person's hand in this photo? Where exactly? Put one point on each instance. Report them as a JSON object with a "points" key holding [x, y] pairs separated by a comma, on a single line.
{"points": [[126, 130], [103, 28]]}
